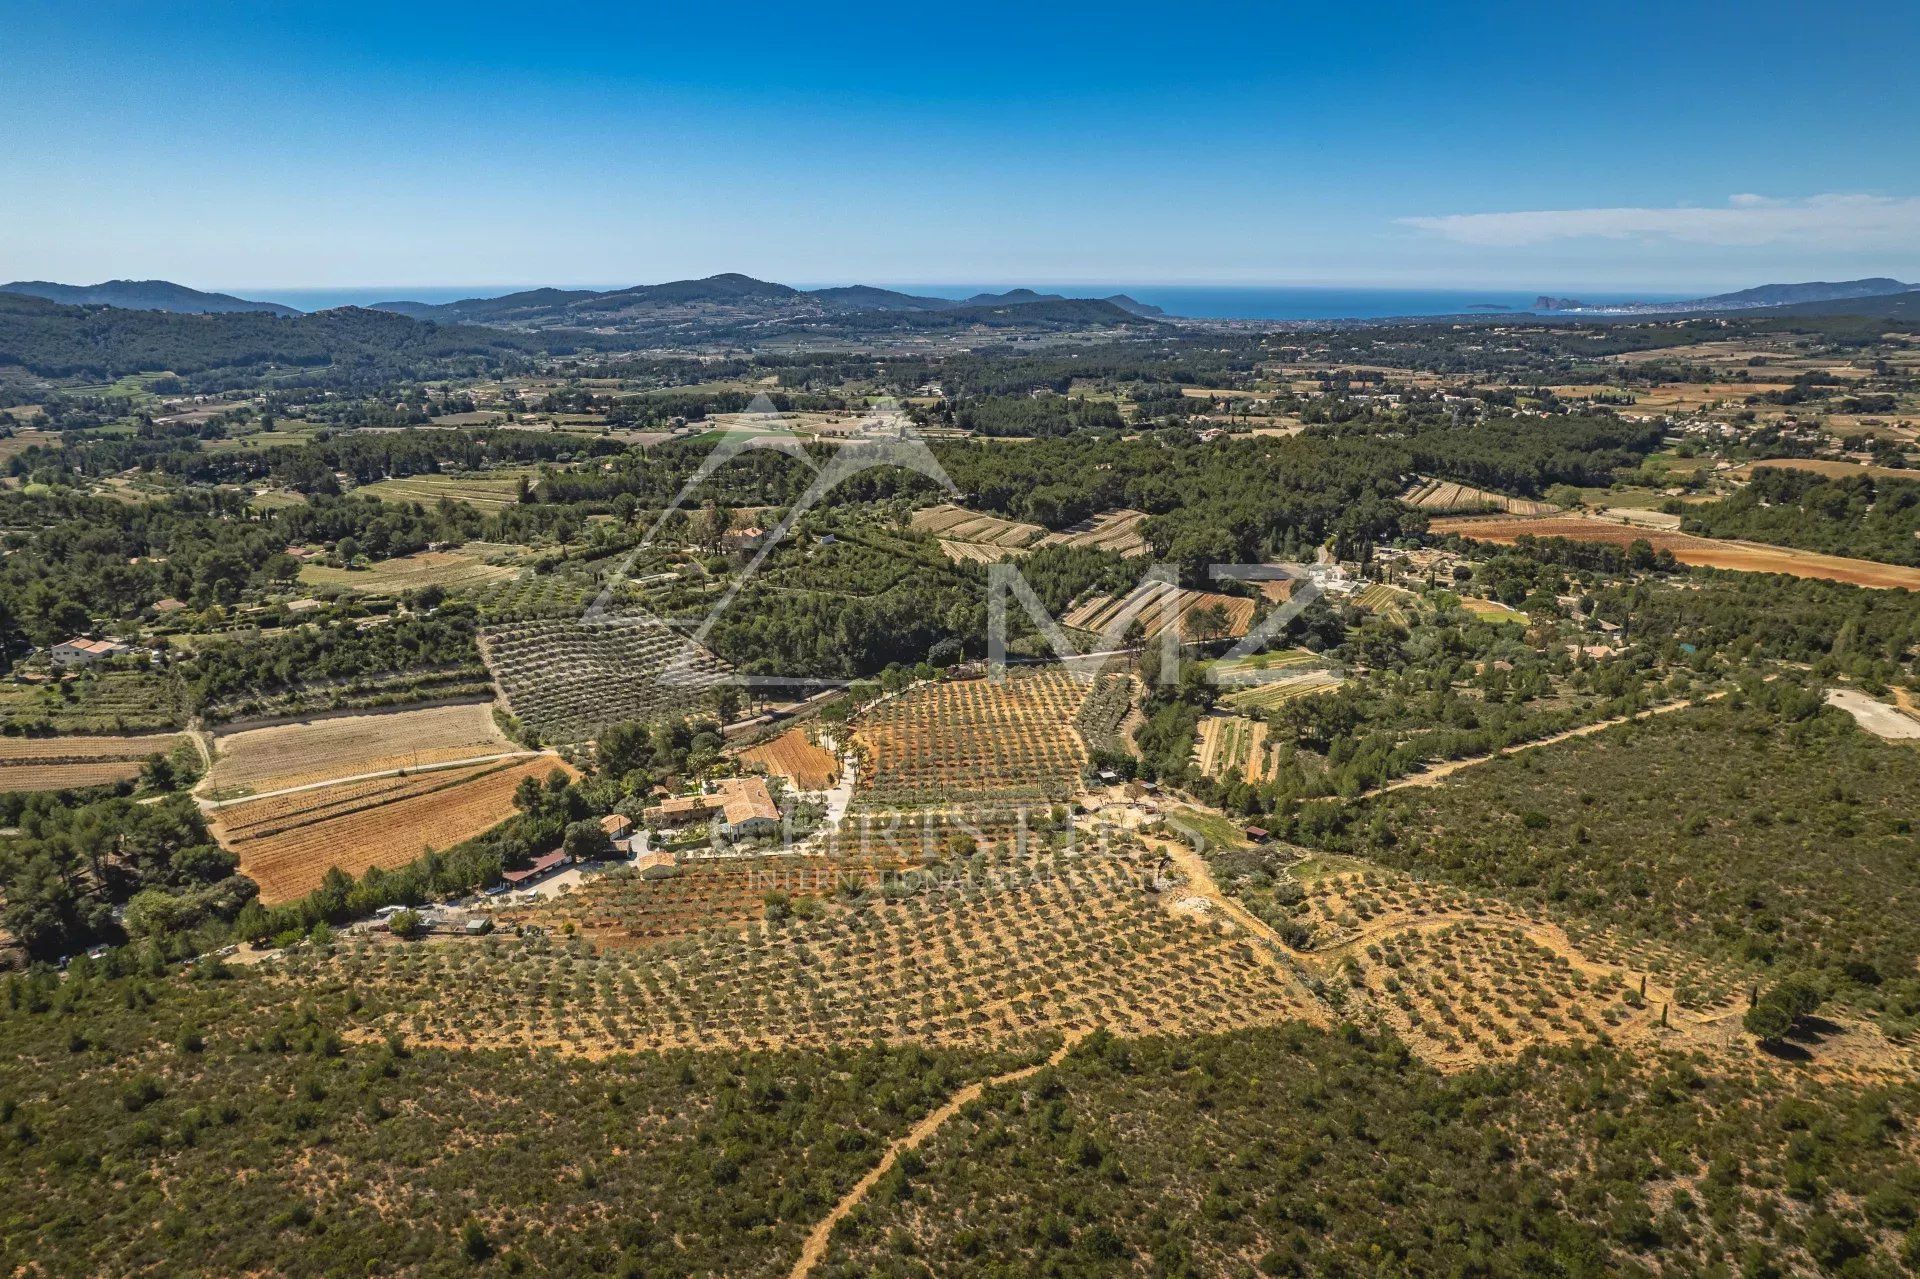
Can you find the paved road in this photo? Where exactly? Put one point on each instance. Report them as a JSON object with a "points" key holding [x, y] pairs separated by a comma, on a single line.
{"points": [[1875, 716]]}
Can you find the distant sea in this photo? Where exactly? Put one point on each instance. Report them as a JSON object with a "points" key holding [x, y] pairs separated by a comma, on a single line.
{"points": [[1199, 301]]}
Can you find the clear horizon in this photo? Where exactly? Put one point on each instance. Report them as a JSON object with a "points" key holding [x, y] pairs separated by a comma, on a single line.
{"points": [[1407, 146]]}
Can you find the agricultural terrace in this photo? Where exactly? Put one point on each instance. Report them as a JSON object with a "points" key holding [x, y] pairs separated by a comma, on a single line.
{"points": [[1445, 495], [1030, 947], [1116, 531], [488, 490], [1491, 610], [62, 763], [568, 678], [974, 739], [952, 523], [1466, 979], [1385, 601], [797, 759], [264, 759], [92, 702], [1230, 747], [626, 908], [287, 843], [449, 570], [1803, 816], [1254, 667], [1699, 552], [1153, 603], [1273, 693]]}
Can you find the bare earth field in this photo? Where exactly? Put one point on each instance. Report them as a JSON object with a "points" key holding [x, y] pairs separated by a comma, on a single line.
{"points": [[1875, 716], [1824, 466], [792, 756], [60, 763], [286, 843], [445, 569], [264, 759], [1701, 552]]}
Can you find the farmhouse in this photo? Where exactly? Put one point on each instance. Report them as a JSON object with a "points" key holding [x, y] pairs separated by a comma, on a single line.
{"points": [[743, 805], [746, 807], [83, 652], [619, 831], [679, 811]]}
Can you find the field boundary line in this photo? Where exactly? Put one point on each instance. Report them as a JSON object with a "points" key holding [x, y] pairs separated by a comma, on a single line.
{"points": [[375, 776], [814, 1251]]}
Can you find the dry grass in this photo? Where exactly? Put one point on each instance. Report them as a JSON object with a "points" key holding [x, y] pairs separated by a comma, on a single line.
{"points": [[448, 570], [1701, 552], [264, 759]]}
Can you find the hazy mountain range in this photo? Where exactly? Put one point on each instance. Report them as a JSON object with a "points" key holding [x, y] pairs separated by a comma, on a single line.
{"points": [[742, 298], [738, 308], [720, 306]]}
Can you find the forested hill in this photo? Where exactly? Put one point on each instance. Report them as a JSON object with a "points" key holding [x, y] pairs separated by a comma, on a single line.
{"points": [[53, 340], [1890, 306], [141, 295], [732, 305]]}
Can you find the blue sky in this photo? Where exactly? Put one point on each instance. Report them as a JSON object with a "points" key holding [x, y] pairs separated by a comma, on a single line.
{"points": [[252, 146]]}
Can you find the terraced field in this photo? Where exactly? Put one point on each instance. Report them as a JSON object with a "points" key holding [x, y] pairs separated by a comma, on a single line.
{"points": [[568, 678], [1385, 601], [957, 524], [61, 763], [1230, 746], [1445, 495], [95, 702], [1269, 694], [264, 759], [1155, 605], [974, 739], [1116, 531], [488, 490], [1037, 946]]}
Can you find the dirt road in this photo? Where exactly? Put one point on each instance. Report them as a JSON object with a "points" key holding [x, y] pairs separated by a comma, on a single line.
{"points": [[815, 1249]]}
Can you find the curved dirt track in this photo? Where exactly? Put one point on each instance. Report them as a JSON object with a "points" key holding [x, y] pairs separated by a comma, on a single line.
{"points": [[815, 1249]]}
